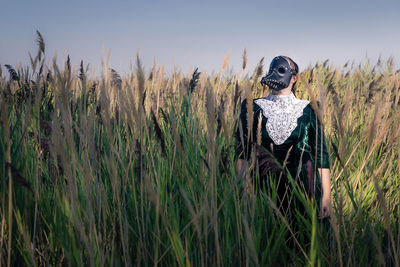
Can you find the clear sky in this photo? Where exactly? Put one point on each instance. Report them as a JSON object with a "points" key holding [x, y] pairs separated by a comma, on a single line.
{"points": [[201, 33]]}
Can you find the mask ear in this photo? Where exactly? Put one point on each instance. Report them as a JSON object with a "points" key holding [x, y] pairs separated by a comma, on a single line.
{"points": [[294, 78]]}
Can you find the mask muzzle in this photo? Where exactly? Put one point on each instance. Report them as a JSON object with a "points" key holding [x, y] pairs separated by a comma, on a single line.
{"points": [[279, 75]]}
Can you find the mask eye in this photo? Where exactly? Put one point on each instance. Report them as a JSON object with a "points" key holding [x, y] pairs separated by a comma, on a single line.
{"points": [[281, 70]]}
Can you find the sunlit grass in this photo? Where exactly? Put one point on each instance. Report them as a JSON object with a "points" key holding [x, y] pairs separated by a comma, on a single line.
{"points": [[140, 169]]}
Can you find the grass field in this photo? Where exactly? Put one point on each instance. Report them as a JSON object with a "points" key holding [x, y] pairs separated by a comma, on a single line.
{"points": [[140, 169]]}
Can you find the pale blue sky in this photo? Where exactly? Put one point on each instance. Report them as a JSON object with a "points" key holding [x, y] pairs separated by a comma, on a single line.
{"points": [[201, 33]]}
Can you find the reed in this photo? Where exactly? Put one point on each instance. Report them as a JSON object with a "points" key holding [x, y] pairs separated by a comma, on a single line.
{"points": [[140, 169]]}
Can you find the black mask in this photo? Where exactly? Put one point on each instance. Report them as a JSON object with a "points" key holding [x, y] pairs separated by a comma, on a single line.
{"points": [[279, 74]]}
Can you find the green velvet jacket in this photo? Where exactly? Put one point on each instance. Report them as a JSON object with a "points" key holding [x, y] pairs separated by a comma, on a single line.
{"points": [[287, 125]]}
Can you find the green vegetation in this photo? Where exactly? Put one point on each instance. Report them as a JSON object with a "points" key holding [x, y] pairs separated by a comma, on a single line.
{"points": [[140, 169]]}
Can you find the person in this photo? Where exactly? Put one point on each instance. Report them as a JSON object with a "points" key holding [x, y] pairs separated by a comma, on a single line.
{"points": [[290, 134]]}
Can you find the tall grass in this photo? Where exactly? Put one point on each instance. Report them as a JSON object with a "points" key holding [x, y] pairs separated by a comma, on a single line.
{"points": [[140, 169]]}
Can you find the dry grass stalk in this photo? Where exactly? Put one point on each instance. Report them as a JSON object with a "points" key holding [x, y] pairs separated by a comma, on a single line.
{"points": [[117, 195], [244, 59]]}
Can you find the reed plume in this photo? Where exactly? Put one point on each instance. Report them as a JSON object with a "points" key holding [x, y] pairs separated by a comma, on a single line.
{"points": [[135, 171]]}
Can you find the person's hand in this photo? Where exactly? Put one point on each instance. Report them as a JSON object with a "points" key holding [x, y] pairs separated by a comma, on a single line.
{"points": [[247, 185], [326, 207]]}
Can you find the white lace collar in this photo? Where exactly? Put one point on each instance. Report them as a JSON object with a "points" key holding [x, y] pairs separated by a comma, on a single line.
{"points": [[282, 113]]}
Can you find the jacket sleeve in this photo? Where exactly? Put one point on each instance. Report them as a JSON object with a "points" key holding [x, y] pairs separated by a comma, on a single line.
{"points": [[242, 148], [317, 141]]}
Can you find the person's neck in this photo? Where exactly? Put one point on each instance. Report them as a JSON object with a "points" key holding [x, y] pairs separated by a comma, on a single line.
{"points": [[283, 92]]}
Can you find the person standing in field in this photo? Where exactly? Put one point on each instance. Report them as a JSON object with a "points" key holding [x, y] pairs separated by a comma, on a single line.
{"points": [[290, 140]]}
